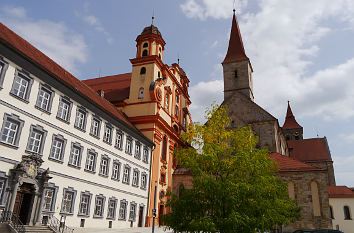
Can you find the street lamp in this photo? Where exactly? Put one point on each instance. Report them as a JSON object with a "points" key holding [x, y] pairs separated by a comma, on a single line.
{"points": [[154, 210]]}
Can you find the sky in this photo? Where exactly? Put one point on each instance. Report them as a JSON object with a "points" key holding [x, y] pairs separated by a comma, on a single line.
{"points": [[301, 51]]}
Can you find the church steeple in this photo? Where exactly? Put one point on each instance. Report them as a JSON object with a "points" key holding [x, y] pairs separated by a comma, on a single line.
{"points": [[236, 65], [291, 129]]}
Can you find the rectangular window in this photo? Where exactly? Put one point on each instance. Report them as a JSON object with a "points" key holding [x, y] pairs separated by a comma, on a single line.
{"points": [[75, 155], [3, 67], [21, 86], [112, 208], [48, 199], [135, 181], [95, 127], [116, 170], [81, 115], [146, 155], [107, 137], [36, 139], [132, 213], [119, 140], [123, 210], [99, 206], [91, 161], [64, 109], [2, 190], [143, 180], [137, 150], [58, 147], [128, 147], [9, 132], [163, 178], [45, 97], [126, 174], [67, 202], [84, 204], [104, 166]]}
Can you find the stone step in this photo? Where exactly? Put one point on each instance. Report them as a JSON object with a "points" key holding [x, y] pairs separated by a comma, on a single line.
{"points": [[38, 229]]}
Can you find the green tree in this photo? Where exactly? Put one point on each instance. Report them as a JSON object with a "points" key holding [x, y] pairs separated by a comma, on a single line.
{"points": [[235, 188]]}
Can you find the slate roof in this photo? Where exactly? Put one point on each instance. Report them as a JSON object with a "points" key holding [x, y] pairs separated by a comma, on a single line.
{"points": [[21, 46], [312, 149], [340, 192], [287, 164], [290, 121]]}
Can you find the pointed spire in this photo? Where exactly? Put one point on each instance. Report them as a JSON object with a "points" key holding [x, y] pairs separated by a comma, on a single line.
{"points": [[236, 51], [290, 122]]}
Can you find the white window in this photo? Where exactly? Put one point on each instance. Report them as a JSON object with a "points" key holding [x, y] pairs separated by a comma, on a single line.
{"points": [[112, 208], [143, 181], [167, 100], [57, 150], [126, 174], [9, 132], [128, 147], [137, 150], [44, 99], [64, 109], [107, 134], [135, 177], [95, 127], [91, 161], [116, 170], [145, 155], [99, 207], [75, 155], [119, 140], [81, 119], [84, 204], [20, 86], [67, 202], [35, 141], [48, 199], [132, 213], [104, 166], [123, 210]]}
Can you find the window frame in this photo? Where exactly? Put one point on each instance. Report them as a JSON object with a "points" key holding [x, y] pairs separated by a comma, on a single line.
{"points": [[82, 110], [103, 199], [89, 195], [116, 162], [115, 201], [99, 122], [58, 137], [47, 89], [26, 76], [95, 154], [137, 173], [143, 174], [5, 66], [107, 159], [137, 150], [20, 123], [128, 150], [132, 204], [126, 166], [73, 191], [125, 210], [39, 129], [55, 189], [121, 134], [4, 180], [66, 100], [106, 127], [145, 155], [81, 148], [347, 213]]}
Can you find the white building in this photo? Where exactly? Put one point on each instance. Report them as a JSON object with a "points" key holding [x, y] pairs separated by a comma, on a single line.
{"points": [[65, 150], [341, 200]]}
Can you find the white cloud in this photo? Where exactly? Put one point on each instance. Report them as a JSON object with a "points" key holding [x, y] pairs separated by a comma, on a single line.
{"points": [[203, 9], [58, 42], [343, 168]]}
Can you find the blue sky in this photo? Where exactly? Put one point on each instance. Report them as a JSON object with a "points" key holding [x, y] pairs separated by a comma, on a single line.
{"points": [[300, 51]]}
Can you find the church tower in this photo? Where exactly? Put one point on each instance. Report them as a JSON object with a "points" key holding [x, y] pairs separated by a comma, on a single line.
{"points": [[237, 67], [291, 129]]}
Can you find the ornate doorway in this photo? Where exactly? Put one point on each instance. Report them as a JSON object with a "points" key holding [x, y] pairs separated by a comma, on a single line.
{"points": [[23, 203]]}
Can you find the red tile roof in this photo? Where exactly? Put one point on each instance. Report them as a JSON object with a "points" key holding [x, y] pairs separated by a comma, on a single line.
{"points": [[181, 171], [289, 164], [17, 43], [290, 122], [116, 87], [236, 51], [312, 149], [340, 192]]}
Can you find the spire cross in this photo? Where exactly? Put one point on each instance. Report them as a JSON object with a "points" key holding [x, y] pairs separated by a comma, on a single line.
{"points": [[152, 18], [178, 58], [234, 10]]}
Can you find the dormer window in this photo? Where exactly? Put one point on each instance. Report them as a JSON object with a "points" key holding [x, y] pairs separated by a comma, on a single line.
{"points": [[143, 70], [141, 93]]}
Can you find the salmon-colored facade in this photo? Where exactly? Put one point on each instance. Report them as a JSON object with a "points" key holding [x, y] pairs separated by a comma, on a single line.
{"points": [[155, 98]]}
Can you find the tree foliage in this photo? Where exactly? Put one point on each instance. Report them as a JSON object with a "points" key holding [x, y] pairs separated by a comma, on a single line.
{"points": [[234, 184]]}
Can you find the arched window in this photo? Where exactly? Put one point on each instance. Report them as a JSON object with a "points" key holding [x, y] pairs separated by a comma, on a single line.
{"points": [[141, 93], [176, 111], [164, 148], [158, 74], [346, 213], [291, 190], [143, 70], [145, 53], [145, 45], [235, 74], [167, 101], [175, 127], [331, 212], [160, 55], [315, 199]]}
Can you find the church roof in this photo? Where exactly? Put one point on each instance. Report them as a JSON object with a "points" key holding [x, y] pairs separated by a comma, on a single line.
{"points": [[235, 51], [312, 149], [287, 164], [116, 87], [27, 50], [152, 29], [340, 192], [290, 122]]}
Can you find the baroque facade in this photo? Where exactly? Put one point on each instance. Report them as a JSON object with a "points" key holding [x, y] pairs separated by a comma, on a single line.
{"points": [[65, 151]]}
